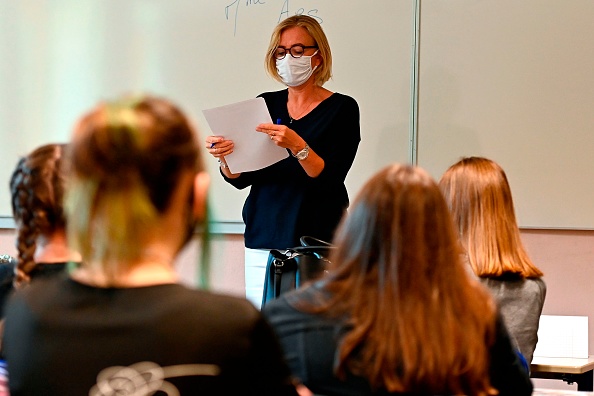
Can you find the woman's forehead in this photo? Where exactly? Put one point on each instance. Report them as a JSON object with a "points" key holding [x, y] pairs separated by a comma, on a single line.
{"points": [[296, 35]]}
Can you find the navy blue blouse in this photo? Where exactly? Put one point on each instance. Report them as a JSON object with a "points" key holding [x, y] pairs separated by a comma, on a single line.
{"points": [[284, 203]]}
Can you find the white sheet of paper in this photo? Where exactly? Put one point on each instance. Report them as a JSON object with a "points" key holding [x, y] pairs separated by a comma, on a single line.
{"points": [[562, 336], [237, 121]]}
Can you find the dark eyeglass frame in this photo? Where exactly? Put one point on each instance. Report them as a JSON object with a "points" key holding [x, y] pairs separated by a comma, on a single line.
{"points": [[290, 51]]}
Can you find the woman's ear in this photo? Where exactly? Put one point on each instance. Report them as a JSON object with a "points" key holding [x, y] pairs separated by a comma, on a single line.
{"points": [[317, 60], [201, 184]]}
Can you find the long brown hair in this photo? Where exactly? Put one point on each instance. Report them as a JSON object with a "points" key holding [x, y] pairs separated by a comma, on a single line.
{"points": [[419, 323], [125, 160], [37, 190], [480, 200]]}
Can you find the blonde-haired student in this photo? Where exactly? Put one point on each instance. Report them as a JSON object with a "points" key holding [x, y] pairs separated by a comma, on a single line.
{"points": [[480, 200]]}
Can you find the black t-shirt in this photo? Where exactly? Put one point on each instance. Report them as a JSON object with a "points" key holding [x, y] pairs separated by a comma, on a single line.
{"points": [[284, 203], [65, 338], [7, 276]]}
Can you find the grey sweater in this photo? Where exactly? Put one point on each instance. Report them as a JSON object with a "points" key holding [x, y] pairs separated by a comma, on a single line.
{"points": [[520, 302]]}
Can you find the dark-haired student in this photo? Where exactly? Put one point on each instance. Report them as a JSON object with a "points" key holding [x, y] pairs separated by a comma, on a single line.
{"points": [[37, 189], [399, 313]]}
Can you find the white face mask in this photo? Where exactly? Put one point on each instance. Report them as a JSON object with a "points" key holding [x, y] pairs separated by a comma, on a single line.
{"points": [[295, 71]]}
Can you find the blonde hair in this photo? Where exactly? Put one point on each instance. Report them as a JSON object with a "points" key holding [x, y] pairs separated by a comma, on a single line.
{"points": [[418, 322], [126, 159], [324, 72], [480, 200]]}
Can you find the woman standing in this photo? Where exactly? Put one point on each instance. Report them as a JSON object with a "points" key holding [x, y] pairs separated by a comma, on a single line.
{"points": [[122, 324], [479, 197], [398, 314], [305, 193]]}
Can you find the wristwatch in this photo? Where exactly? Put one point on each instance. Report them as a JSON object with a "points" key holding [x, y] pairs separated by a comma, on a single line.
{"points": [[302, 154], [222, 164]]}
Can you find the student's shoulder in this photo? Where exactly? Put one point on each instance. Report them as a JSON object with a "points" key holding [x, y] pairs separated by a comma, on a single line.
{"points": [[540, 283], [537, 286], [513, 283], [43, 287], [526, 285], [215, 303], [289, 305], [39, 295]]}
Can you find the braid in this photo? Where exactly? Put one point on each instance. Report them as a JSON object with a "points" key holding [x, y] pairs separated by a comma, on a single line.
{"points": [[27, 232], [37, 190], [26, 246]]}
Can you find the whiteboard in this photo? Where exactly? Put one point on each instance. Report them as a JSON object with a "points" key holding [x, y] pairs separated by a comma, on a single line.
{"points": [[513, 81], [59, 58]]}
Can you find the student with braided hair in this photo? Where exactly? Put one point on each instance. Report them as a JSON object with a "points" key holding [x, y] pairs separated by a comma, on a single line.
{"points": [[37, 190]]}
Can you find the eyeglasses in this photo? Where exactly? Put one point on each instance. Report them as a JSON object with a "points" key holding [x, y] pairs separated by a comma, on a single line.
{"points": [[296, 51]]}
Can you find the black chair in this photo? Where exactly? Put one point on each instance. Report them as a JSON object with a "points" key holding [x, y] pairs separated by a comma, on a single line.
{"points": [[7, 264]]}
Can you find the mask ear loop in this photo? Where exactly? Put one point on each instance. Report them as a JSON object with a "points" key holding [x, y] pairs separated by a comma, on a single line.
{"points": [[313, 70]]}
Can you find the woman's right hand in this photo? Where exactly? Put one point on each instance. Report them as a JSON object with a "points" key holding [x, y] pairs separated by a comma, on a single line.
{"points": [[218, 146]]}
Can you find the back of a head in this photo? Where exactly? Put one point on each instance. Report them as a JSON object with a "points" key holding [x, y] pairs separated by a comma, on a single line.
{"points": [[37, 189], [401, 280], [478, 194], [405, 222], [126, 159]]}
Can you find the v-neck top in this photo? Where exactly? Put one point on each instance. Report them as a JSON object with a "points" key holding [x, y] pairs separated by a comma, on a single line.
{"points": [[285, 203]]}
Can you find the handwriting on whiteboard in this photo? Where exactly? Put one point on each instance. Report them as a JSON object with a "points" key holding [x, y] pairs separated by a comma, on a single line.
{"points": [[286, 8]]}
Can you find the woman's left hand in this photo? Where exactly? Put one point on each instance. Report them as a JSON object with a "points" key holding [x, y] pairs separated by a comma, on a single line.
{"points": [[282, 136]]}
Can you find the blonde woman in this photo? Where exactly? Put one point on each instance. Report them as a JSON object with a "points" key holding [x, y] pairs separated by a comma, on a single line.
{"points": [[399, 314], [304, 194], [480, 200], [122, 324]]}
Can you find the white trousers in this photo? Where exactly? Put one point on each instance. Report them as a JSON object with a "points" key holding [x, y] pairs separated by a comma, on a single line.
{"points": [[255, 272]]}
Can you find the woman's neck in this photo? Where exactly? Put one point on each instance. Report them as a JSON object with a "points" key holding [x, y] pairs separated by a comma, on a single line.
{"points": [[307, 93], [154, 267], [141, 275], [54, 249]]}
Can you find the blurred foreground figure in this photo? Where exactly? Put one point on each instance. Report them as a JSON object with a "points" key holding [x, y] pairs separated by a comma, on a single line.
{"points": [[121, 324]]}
